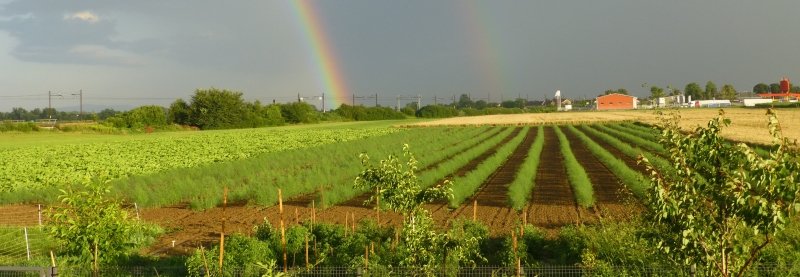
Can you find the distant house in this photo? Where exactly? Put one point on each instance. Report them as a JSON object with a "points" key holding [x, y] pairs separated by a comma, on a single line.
{"points": [[616, 101]]}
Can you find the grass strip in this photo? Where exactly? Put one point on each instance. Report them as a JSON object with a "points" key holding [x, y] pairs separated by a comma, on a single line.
{"points": [[465, 186], [631, 138], [634, 180], [581, 184], [658, 162], [520, 189]]}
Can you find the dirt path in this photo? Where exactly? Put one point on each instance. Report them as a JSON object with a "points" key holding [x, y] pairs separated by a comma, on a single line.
{"points": [[492, 197], [552, 202]]}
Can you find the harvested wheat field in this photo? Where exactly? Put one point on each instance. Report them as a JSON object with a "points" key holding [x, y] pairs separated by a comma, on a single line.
{"points": [[748, 125]]}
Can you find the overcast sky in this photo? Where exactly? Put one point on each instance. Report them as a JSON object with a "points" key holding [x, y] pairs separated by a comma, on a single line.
{"points": [[127, 53]]}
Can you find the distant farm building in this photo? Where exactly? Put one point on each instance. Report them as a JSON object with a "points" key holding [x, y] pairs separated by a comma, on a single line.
{"points": [[784, 93], [616, 101]]}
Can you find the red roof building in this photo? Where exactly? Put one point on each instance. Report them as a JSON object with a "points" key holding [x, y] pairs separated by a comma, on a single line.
{"points": [[616, 101]]}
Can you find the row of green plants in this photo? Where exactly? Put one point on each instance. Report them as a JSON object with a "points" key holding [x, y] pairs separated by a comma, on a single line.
{"points": [[48, 167], [632, 179], [578, 179], [635, 139], [322, 169], [442, 170], [442, 151], [519, 191], [632, 151], [465, 186]]}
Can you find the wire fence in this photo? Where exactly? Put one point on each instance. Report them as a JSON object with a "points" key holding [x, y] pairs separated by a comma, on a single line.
{"points": [[543, 270]]}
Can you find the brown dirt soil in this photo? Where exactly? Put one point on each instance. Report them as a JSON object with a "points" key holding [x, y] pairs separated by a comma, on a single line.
{"points": [[552, 201], [19, 215]]}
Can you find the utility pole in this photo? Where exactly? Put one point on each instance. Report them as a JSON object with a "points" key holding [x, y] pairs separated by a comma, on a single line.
{"points": [[397, 107], [323, 102], [80, 95], [419, 102], [50, 102], [376, 99]]}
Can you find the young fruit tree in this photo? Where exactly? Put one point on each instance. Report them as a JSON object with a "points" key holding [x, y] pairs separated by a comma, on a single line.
{"points": [[726, 203], [92, 227], [395, 183]]}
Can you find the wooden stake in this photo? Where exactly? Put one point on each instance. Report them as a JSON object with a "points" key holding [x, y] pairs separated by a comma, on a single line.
{"points": [[372, 247], [475, 210], [354, 223], [346, 224], [378, 205], [313, 214], [306, 238], [205, 262], [52, 258], [283, 232], [283, 246], [296, 217], [396, 239], [222, 234], [366, 257]]}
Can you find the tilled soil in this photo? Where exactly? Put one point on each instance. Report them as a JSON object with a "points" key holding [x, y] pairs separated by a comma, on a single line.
{"points": [[552, 202]]}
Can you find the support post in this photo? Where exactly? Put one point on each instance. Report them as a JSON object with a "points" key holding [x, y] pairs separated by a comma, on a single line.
{"points": [[40, 214], [136, 206], [475, 210], [27, 243], [222, 234], [283, 231]]}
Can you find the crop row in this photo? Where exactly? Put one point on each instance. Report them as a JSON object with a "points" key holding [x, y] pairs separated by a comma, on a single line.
{"points": [[465, 186], [45, 166], [432, 159], [578, 179], [519, 190]]}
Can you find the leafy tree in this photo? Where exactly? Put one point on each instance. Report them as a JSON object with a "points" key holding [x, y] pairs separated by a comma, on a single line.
{"points": [[795, 89], [694, 90], [153, 116], [179, 112], [465, 102], [437, 111], [711, 90], [481, 104], [609, 91], [299, 112], [273, 116], [90, 226], [728, 92], [675, 92], [724, 203], [761, 88], [102, 115], [656, 92], [775, 88], [217, 109], [395, 183], [622, 91]]}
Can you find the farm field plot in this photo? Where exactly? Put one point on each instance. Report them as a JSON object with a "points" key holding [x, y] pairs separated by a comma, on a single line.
{"points": [[49, 166], [748, 123], [317, 179]]}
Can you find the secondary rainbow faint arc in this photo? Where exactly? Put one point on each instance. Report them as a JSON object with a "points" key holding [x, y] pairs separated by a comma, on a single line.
{"points": [[487, 54], [331, 77]]}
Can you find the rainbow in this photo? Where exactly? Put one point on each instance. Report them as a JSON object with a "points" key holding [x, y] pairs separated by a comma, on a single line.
{"points": [[488, 59], [324, 58]]}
